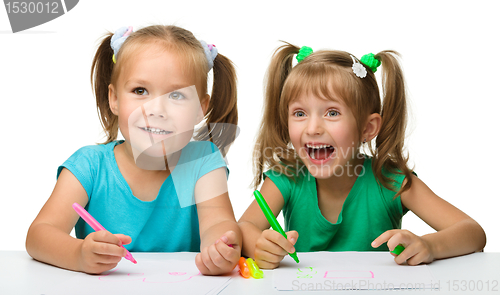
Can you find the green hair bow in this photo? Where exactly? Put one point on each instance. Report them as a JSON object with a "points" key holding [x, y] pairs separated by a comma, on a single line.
{"points": [[371, 61], [303, 53]]}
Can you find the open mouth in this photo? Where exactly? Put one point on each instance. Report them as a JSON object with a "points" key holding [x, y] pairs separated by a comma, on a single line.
{"points": [[319, 151], [155, 130]]}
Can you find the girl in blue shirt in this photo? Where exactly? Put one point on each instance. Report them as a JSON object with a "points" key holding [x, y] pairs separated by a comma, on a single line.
{"points": [[156, 191]]}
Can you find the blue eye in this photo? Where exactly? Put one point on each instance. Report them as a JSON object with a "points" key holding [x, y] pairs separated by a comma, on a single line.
{"points": [[333, 113], [176, 95], [299, 114], [140, 91]]}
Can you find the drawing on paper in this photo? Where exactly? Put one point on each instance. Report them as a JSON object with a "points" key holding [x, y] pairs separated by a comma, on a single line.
{"points": [[170, 277], [336, 270], [176, 273], [306, 273]]}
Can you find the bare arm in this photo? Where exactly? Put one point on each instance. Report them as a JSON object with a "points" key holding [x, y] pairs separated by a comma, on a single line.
{"points": [[456, 233], [218, 227], [253, 221], [48, 238], [267, 247]]}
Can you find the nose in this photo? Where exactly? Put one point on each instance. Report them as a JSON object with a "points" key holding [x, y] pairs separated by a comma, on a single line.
{"points": [[155, 108], [314, 126]]}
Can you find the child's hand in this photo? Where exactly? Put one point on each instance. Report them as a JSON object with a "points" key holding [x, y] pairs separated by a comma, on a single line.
{"points": [[271, 247], [417, 250], [101, 251], [219, 258]]}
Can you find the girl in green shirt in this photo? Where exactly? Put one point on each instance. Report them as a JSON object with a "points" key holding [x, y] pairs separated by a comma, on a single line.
{"points": [[320, 116]]}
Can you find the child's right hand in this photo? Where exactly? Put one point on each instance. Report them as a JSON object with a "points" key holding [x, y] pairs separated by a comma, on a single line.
{"points": [[101, 251], [272, 247]]}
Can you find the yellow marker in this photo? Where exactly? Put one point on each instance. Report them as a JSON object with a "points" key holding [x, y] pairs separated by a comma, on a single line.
{"points": [[254, 269]]}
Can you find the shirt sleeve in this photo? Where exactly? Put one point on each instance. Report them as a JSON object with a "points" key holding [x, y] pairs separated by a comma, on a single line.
{"points": [[282, 182], [198, 159], [394, 204], [82, 165], [212, 159]]}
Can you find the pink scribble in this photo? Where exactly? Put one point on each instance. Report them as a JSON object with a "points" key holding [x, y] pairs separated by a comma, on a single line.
{"points": [[349, 274], [117, 277], [177, 273], [113, 276]]}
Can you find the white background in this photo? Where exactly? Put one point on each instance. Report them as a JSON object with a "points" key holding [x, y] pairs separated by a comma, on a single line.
{"points": [[450, 55]]}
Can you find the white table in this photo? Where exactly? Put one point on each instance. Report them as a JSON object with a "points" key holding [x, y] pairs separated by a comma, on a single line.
{"points": [[20, 274]]}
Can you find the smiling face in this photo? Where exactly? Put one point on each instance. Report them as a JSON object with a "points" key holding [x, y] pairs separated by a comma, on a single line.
{"points": [[156, 101], [324, 134]]}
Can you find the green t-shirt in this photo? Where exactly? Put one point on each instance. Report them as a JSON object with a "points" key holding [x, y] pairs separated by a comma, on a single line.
{"points": [[369, 210]]}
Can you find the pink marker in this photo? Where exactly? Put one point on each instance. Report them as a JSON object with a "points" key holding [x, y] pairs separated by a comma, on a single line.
{"points": [[96, 225]]}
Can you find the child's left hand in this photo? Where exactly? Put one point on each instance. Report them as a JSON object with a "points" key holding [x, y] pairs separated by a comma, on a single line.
{"points": [[417, 250], [219, 258]]}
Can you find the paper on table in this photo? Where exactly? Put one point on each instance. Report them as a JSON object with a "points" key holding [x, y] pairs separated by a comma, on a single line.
{"points": [[350, 271], [147, 277]]}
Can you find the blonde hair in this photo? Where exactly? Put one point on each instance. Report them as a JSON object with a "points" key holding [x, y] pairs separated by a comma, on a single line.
{"points": [[222, 115], [319, 74]]}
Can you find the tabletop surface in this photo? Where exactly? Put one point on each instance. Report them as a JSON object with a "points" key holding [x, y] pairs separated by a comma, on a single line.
{"points": [[20, 274]]}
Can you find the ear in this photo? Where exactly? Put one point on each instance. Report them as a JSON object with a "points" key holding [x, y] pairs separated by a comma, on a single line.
{"points": [[372, 127], [113, 99], [204, 102]]}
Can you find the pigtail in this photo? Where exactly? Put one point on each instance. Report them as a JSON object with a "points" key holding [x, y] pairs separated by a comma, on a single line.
{"points": [[390, 140], [273, 130], [100, 78], [222, 113]]}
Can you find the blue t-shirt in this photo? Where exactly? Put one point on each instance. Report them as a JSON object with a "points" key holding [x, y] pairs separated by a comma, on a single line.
{"points": [[169, 223]]}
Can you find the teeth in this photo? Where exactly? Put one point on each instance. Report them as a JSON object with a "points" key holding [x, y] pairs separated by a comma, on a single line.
{"points": [[155, 130], [321, 146], [312, 148]]}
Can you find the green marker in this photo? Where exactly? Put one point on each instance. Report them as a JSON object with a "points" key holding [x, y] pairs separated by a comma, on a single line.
{"points": [[399, 248], [271, 219]]}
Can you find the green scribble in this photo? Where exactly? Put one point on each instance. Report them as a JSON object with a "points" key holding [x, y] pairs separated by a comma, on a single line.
{"points": [[306, 273]]}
